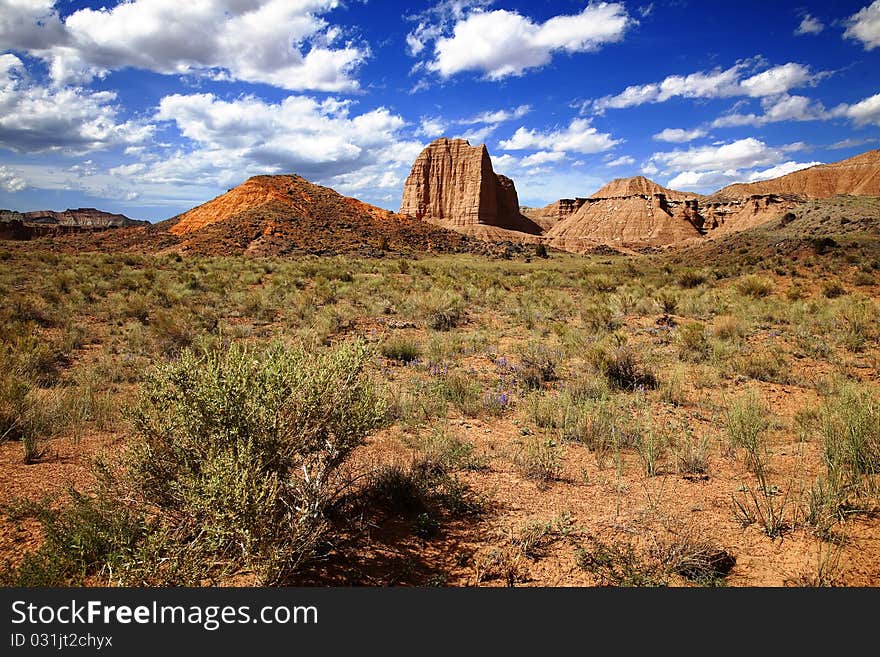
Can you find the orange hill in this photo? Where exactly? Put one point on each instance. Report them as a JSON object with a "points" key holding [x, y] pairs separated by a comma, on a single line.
{"points": [[272, 215], [859, 176]]}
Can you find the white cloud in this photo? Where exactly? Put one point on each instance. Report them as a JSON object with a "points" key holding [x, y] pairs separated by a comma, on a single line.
{"points": [[780, 170], [741, 154], [864, 26], [866, 112], [678, 135], [578, 137], [226, 141], [852, 143], [435, 21], [718, 83], [707, 168], [623, 161], [477, 135], [776, 109], [702, 180], [276, 42], [10, 181], [542, 157], [778, 80], [505, 43], [35, 119], [498, 116], [431, 127], [29, 24], [809, 25]]}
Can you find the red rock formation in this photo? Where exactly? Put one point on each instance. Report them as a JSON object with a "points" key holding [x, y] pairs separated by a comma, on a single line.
{"points": [[452, 184]]}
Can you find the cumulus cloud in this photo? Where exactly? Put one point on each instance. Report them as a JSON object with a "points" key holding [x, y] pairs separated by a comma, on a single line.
{"points": [[741, 154], [29, 25], [477, 135], [623, 161], [866, 112], [36, 118], [504, 43], [679, 135], [864, 26], [542, 157], [578, 137], [718, 83], [276, 42], [776, 109], [498, 116], [432, 127], [438, 20], [466, 128], [707, 168], [809, 25], [10, 181], [222, 142], [317, 139]]}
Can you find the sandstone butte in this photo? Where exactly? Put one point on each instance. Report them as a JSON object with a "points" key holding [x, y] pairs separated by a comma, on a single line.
{"points": [[452, 184]]}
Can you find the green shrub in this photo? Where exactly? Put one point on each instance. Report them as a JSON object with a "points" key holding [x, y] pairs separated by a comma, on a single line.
{"points": [[821, 245], [755, 286], [420, 490], [746, 423], [622, 368], [401, 349], [87, 536], [538, 365], [689, 279], [444, 310], [236, 457], [833, 289], [243, 448], [851, 428], [540, 459], [693, 343]]}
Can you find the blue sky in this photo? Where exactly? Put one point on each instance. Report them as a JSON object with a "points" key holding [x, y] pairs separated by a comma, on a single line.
{"points": [[149, 107]]}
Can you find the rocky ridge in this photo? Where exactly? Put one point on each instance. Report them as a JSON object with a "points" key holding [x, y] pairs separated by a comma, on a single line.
{"points": [[858, 176]]}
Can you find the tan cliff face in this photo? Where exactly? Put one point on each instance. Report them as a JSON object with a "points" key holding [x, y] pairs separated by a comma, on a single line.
{"points": [[452, 184]]}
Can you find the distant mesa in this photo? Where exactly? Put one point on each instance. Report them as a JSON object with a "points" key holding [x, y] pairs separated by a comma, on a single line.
{"points": [[46, 223], [452, 184], [83, 217]]}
